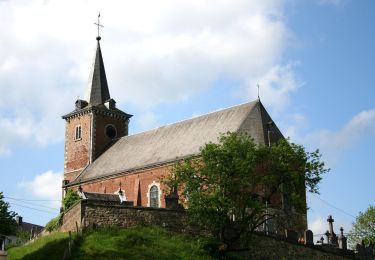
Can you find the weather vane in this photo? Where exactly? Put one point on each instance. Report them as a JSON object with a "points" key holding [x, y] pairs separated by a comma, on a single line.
{"points": [[99, 25], [258, 90]]}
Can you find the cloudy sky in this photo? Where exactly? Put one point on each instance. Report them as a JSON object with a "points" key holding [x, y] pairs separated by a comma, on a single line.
{"points": [[169, 60]]}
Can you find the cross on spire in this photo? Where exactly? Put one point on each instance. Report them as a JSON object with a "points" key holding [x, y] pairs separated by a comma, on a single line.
{"points": [[99, 25]]}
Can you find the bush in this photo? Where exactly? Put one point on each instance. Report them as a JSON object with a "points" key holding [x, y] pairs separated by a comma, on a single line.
{"points": [[71, 197], [54, 223]]}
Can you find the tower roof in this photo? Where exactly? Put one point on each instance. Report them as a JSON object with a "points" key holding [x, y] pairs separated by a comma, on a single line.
{"points": [[97, 91]]}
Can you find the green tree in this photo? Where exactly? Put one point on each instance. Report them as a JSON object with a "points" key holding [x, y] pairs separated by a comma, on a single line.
{"points": [[7, 221], [363, 228], [234, 177], [70, 198]]}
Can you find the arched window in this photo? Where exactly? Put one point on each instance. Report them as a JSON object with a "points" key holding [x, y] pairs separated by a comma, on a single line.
{"points": [[78, 133], [154, 196]]}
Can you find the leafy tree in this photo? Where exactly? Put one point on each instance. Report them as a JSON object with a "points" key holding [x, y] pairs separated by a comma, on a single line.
{"points": [[71, 197], [363, 228], [7, 221], [232, 180]]}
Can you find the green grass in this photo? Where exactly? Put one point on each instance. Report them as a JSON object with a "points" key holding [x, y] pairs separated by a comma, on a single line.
{"points": [[116, 243], [138, 243], [48, 247]]}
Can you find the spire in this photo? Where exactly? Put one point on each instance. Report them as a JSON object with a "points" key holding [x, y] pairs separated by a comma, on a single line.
{"points": [[97, 90]]}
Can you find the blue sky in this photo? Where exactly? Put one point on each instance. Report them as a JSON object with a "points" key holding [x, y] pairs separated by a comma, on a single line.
{"points": [[171, 60]]}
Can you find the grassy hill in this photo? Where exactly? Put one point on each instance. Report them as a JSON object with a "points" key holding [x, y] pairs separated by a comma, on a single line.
{"points": [[115, 243]]}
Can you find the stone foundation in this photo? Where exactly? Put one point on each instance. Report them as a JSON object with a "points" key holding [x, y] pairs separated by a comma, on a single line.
{"points": [[88, 213]]}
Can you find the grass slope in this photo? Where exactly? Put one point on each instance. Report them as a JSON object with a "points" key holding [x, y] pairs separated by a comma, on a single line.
{"points": [[116, 243], [138, 243], [48, 247]]}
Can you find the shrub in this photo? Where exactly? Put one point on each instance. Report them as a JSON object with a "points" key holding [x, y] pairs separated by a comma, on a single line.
{"points": [[54, 223], [70, 198]]}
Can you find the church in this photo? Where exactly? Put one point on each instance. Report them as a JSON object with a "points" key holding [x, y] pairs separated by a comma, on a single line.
{"points": [[102, 158]]}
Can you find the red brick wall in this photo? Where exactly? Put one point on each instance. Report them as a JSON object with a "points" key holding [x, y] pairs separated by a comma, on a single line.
{"points": [[77, 152], [141, 182], [101, 140], [133, 184]]}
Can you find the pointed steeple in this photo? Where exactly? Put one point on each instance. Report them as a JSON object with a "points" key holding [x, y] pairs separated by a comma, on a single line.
{"points": [[97, 92]]}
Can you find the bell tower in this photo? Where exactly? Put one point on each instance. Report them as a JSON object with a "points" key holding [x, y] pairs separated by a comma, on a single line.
{"points": [[95, 123]]}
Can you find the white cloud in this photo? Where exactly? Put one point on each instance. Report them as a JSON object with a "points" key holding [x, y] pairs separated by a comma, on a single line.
{"points": [[318, 225], [334, 143], [147, 120], [295, 123], [45, 186], [4, 151], [275, 86], [163, 53]]}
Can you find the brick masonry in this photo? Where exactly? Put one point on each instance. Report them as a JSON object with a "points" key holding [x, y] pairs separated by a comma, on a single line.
{"points": [[101, 140], [93, 141], [77, 152], [136, 185]]}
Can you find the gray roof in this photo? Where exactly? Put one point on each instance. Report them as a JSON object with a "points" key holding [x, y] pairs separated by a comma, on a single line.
{"points": [[101, 196], [172, 142], [25, 226], [97, 90]]}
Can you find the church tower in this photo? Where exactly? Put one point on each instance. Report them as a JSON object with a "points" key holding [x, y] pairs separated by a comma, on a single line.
{"points": [[95, 123]]}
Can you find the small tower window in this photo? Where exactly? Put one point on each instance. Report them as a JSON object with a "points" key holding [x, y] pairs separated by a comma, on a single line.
{"points": [[154, 196], [110, 131], [78, 133]]}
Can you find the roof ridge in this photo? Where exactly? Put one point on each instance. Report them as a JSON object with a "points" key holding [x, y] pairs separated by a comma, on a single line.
{"points": [[99, 193]]}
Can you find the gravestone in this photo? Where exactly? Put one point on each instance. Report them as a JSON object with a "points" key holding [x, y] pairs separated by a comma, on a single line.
{"points": [[309, 238], [291, 235], [332, 238], [342, 240], [361, 250], [171, 201]]}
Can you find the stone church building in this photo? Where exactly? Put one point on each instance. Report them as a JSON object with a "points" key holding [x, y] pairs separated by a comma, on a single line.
{"points": [[101, 158]]}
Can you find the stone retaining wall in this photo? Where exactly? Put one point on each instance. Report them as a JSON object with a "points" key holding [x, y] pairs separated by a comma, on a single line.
{"points": [[88, 213], [71, 217]]}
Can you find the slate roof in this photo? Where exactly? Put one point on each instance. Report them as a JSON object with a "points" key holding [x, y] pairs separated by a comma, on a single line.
{"points": [[102, 196], [97, 90], [179, 140], [25, 226]]}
